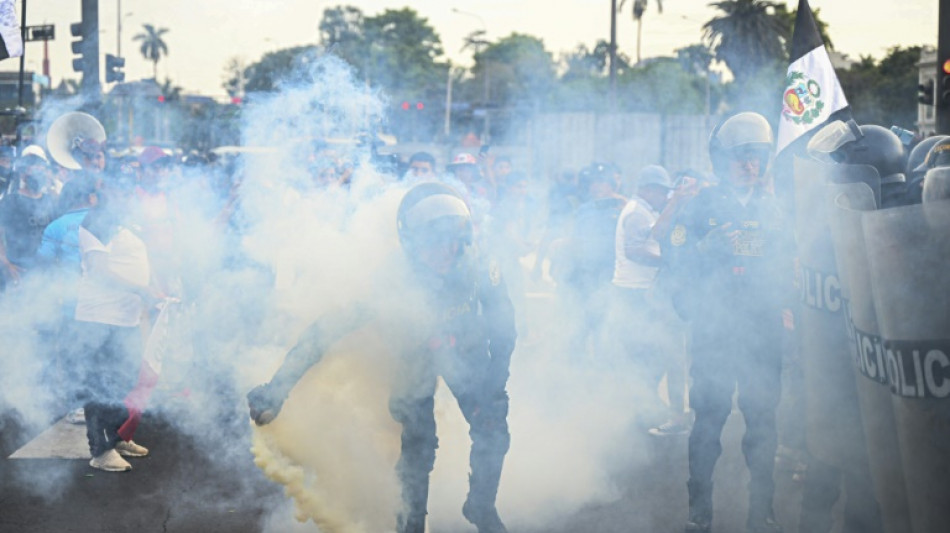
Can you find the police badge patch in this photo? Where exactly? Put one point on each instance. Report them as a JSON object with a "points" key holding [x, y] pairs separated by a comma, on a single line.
{"points": [[678, 237]]}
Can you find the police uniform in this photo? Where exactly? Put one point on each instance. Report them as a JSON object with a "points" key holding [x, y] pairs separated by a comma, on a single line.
{"points": [[732, 294], [468, 340]]}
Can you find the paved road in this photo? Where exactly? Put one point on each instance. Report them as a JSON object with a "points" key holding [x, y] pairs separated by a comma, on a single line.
{"points": [[185, 486], [179, 487], [192, 484]]}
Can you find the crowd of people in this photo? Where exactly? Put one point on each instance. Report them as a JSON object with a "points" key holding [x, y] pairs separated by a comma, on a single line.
{"points": [[690, 275]]}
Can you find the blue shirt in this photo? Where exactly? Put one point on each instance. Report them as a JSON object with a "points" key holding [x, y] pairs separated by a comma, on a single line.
{"points": [[60, 243]]}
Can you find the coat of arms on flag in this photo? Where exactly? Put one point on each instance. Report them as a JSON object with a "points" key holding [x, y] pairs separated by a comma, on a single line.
{"points": [[802, 103]]}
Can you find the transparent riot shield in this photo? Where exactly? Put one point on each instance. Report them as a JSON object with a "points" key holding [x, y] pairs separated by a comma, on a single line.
{"points": [[908, 250], [874, 397], [834, 434]]}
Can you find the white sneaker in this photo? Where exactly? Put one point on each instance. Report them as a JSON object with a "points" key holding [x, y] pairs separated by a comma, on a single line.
{"points": [[77, 416], [110, 461], [131, 449], [678, 425]]}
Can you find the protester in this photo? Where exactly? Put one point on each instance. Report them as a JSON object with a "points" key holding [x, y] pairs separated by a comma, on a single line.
{"points": [[421, 167], [24, 214], [108, 340], [642, 323]]}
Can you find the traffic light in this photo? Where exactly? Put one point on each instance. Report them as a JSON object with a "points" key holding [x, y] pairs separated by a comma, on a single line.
{"points": [[114, 65], [926, 93], [86, 48], [76, 30], [945, 83]]}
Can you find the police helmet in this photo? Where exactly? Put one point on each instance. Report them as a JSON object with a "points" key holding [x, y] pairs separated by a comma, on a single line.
{"points": [[432, 213], [937, 177], [850, 144], [741, 134], [917, 160]]}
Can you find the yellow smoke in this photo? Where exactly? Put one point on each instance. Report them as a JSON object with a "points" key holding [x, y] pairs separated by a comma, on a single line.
{"points": [[335, 446]]}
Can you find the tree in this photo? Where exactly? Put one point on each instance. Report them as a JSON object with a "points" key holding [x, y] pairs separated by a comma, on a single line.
{"points": [[341, 33], [521, 69], [884, 92], [639, 8], [153, 46], [747, 37], [170, 91], [402, 53], [266, 74]]}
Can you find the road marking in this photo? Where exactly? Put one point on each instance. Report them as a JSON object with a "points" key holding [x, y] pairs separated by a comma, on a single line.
{"points": [[60, 441]]}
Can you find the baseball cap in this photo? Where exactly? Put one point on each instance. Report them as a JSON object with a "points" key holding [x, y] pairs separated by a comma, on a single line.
{"points": [[654, 175], [463, 158], [151, 154]]}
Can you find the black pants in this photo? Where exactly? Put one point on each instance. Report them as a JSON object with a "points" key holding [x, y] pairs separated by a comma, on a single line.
{"points": [[488, 429], [743, 353], [106, 360]]}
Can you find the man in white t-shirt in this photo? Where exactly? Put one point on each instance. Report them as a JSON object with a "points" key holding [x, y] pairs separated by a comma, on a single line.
{"points": [[108, 340], [648, 333]]}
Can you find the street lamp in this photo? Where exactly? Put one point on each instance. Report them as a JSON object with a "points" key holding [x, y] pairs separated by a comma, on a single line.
{"points": [[479, 45], [118, 26]]}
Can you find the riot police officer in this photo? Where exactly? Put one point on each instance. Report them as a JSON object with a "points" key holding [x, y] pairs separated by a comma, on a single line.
{"points": [[847, 143], [470, 334], [729, 254]]}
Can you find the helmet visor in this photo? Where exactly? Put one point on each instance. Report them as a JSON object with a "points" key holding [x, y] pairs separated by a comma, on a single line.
{"points": [[825, 144]]}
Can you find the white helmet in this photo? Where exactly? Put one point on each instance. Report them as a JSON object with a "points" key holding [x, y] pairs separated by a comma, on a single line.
{"points": [[741, 132]]}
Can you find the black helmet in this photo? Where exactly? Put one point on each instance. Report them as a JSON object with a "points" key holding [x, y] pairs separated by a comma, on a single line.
{"points": [[850, 144], [742, 133], [937, 177], [432, 213], [937, 156], [917, 160]]}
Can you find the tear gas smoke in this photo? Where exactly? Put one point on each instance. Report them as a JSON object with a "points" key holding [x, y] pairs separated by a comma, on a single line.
{"points": [[256, 268]]}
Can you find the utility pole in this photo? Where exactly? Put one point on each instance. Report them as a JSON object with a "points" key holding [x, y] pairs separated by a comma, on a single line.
{"points": [[22, 54], [613, 55]]}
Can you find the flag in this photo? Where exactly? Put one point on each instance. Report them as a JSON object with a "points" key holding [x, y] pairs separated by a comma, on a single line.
{"points": [[11, 38], [812, 91]]}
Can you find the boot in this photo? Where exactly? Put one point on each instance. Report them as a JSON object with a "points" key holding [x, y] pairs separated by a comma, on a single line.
{"points": [[761, 517], [411, 523], [700, 507], [766, 524], [484, 517]]}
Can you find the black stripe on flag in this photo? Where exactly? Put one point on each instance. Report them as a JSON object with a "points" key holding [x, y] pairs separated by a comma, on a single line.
{"points": [[4, 53], [805, 37]]}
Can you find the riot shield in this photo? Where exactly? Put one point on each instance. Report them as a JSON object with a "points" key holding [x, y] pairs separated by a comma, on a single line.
{"points": [[833, 421], [874, 397], [908, 253]]}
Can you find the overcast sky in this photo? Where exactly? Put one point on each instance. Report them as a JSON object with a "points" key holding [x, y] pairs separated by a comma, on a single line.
{"points": [[204, 34]]}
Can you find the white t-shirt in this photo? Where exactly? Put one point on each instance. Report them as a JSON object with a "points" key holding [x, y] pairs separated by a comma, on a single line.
{"points": [[107, 302], [628, 274]]}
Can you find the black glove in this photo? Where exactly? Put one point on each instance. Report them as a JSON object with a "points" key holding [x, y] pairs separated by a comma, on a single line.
{"points": [[265, 403]]}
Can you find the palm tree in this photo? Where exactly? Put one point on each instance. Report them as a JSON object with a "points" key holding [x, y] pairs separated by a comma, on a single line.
{"points": [[749, 35], [639, 8], [153, 46], [170, 91]]}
